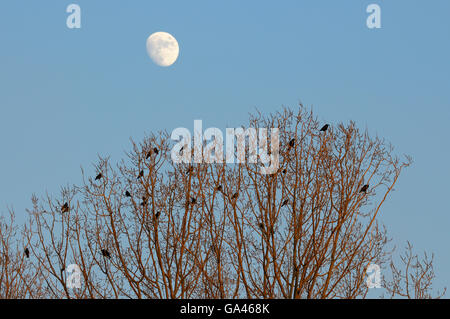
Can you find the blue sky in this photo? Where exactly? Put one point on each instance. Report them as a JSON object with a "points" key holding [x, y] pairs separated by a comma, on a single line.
{"points": [[68, 95]]}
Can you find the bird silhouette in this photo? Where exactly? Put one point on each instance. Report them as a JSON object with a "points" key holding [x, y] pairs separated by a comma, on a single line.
{"points": [[105, 253], [127, 194], [284, 203], [27, 253], [193, 200], [261, 226], [235, 195], [148, 155], [65, 208], [141, 173], [284, 171], [156, 151], [292, 142], [157, 214], [324, 128], [99, 176], [219, 188], [364, 189]]}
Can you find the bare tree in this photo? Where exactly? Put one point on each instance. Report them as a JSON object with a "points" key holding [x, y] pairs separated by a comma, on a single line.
{"points": [[415, 281], [147, 227]]}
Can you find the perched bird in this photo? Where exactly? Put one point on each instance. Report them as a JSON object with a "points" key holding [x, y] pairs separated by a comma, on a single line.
{"points": [[193, 200], [27, 253], [235, 195], [364, 189], [157, 214], [261, 226], [324, 128], [284, 171], [141, 173], [148, 155], [284, 203], [98, 176], [219, 188], [292, 142], [65, 208], [127, 194], [155, 150], [105, 253]]}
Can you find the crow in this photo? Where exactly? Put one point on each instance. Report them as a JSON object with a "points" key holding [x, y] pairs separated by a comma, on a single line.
{"points": [[261, 226], [193, 200], [364, 189], [235, 195], [99, 176], [292, 142], [284, 203], [157, 214], [284, 171], [219, 188], [127, 194], [324, 128], [105, 253], [155, 150], [65, 208], [148, 155], [141, 173], [27, 253]]}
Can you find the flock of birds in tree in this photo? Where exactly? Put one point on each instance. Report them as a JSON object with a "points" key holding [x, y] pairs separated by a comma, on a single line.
{"points": [[105, 252]]}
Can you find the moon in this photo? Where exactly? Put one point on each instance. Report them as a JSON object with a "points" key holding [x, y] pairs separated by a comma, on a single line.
{"points": [[162, 48]]}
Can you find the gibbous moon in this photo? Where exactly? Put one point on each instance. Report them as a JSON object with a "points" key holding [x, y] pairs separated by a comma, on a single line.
{"points": [[162, 48]]}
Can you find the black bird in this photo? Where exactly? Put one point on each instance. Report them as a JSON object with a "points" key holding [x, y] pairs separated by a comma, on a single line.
{"points": [[261, 226], [364, 189], [98, 176], [292, 142], [219, 188], [324, 128], [141, 173], [65, 208], [148, 155], [156, 151], [235, 195], [27, 253], [157, 214], [284, 171], [127, 194], [193, 200], [284, 203], [105, 253]]}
